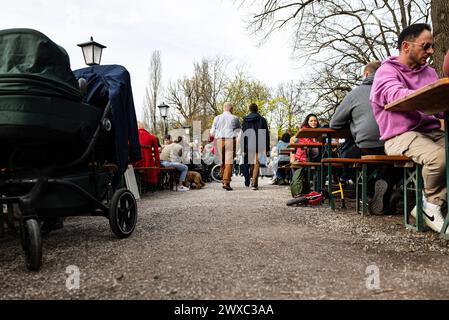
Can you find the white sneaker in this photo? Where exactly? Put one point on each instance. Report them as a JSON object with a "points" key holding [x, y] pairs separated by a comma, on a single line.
{"points": [[432, 217], [183, 189]]}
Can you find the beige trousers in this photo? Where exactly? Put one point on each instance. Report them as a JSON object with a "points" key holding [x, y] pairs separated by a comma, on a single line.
{"points": [[254, 170], [226, 154], [426, 149]]}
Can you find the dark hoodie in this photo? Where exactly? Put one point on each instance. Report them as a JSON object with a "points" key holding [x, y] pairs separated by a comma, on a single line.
{"points": [[255, 122]]}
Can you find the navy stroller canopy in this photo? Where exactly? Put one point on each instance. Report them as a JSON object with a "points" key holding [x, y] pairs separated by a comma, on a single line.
{"points": [[113, 83]]}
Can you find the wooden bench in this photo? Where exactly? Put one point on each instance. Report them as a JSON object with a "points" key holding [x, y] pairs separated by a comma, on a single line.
{"points": [[412, 181], [286, 151], [362, 178], [166, 178]]}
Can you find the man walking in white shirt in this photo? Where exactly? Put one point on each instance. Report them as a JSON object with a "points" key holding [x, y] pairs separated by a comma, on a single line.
{"points": [[225, 131]]}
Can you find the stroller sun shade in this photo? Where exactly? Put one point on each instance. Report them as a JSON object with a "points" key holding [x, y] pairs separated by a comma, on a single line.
{"points": [[32, 64]]}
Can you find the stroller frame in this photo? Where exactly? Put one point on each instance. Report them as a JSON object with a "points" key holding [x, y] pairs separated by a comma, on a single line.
{"points": [[120, 207]]}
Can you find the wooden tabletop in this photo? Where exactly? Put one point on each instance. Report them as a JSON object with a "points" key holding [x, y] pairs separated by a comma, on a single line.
{"points": [[314, 144], [286, 151], [322, 133], [430, 99]]}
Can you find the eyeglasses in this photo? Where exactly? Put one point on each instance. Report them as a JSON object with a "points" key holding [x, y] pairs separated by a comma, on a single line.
{"points": [[426, 45]]}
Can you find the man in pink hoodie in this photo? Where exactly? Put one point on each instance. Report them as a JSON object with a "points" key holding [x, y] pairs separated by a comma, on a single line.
{"points": [[412, 133], [446, 65]]}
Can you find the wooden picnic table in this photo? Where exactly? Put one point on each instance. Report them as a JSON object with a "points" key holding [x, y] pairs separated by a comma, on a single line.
{"points": [[322, 133], [325, 135], [286, 151], [430, 99], [312, 144]]}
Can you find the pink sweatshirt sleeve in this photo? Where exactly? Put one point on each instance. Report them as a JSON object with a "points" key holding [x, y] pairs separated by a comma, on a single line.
{"points": [[388, 88], [446, 64]]}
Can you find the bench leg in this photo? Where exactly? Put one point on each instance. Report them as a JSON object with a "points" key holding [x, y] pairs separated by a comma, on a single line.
{"points": [[318, 178], [329, 187], [357, 190], [406, 206], [2, 221], [419, 202], [413, 182], [364, 189]]}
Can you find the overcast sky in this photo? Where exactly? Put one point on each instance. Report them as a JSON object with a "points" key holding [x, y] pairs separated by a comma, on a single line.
{"points": [[182, 30]]}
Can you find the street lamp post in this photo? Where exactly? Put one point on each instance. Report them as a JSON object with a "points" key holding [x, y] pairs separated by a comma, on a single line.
{"points": [[163, 109], [92, 52]]}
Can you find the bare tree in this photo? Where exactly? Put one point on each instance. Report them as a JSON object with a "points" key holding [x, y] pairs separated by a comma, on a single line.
{"points": [[440, 14], [185, 96], [211, 75], [200, 96], [152, 91], [242, 90], [289, 106], [338, 37]]}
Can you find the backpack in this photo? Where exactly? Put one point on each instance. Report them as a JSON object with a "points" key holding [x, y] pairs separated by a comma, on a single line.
{"points": [[299, 184]]}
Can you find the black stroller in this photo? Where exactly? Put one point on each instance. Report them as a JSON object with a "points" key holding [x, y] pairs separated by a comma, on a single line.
{"points": [[61, 156]]}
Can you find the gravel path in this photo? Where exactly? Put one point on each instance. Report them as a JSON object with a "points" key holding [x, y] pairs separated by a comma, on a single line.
{"points": [[244, 244]]}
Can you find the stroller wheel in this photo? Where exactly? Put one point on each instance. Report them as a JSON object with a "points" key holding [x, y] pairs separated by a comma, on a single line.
{"points": [[123, 213], [32, 244]]}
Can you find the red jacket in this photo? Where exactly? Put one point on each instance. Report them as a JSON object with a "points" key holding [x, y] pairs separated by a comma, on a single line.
{"points": [[301, 154], [150, 156]]}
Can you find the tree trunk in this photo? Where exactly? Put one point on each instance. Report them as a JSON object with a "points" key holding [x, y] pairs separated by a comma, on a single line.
{"points": [[440, 20]]}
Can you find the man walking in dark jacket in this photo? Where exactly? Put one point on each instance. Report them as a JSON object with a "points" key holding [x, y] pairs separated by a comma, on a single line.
{"points": [[256, 141]]}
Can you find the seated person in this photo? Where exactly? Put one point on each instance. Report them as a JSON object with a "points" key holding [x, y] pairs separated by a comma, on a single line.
{"points": [[446, 64], [171, 156], [150, 156], [355, 111], [413, 133], [282, 175], [311, 121]]}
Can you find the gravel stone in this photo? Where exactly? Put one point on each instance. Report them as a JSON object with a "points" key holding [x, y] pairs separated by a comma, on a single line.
{"points": [[243, 244]]}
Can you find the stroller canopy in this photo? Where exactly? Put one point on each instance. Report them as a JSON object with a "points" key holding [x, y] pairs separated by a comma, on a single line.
{"points": [[113, 83], [30, 63]]}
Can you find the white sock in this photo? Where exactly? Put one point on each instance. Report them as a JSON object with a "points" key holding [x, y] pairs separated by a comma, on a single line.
{"points": [[427, 204]]}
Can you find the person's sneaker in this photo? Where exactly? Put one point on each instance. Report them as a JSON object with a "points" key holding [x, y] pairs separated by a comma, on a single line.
{"points": [[227, 188], [432, 217], [183, 189], [255, 188], [274, 182], [376, 205]]}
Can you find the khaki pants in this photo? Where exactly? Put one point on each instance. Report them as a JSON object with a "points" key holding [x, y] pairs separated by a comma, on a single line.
{"points": [[226, 154], [254, 170], [426, 149]]}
